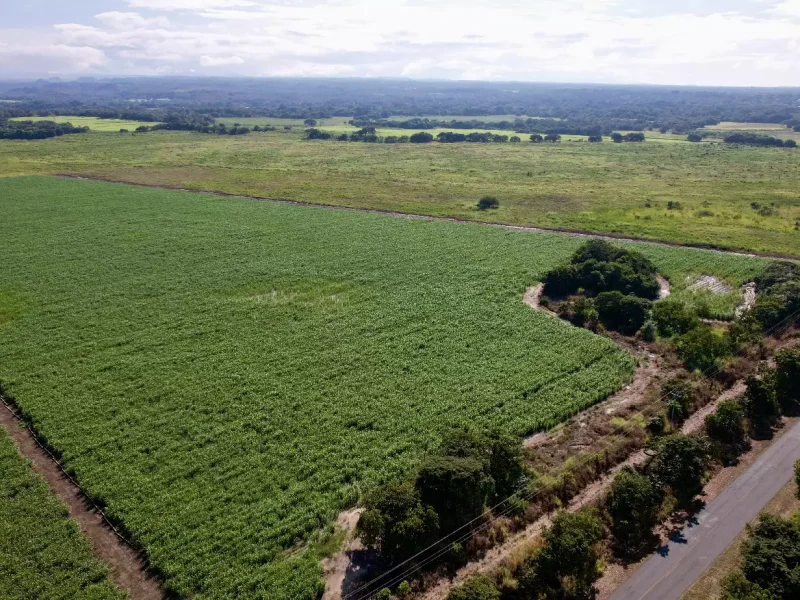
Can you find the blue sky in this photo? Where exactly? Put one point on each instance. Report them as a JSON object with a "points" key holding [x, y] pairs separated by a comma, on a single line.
{"points": [[716, 42]]}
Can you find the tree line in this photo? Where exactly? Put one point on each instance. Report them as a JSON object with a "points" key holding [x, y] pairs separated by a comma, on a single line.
{"points": [[754, 139], [37, 130]]}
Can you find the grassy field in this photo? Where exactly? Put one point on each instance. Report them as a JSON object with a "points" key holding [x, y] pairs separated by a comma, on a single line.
{"points": [[623, 189], [42, 552], [227, 374], [92, 123], [769, 129]]}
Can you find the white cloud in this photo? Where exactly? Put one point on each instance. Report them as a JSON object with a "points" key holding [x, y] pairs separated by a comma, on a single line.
{"points": [[188, 4], [127, 20], [557, 40], [219, 61]]}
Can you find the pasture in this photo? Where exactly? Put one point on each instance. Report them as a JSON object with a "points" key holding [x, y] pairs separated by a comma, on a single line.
{"points": [[42, 552], [226, 374], [93, 123], [708, 193]]}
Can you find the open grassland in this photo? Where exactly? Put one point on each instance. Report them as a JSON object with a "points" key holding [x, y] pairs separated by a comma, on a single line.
{"points": [[92, 123], [42, 552], [623, 189], [227, 374], [769, 129]]}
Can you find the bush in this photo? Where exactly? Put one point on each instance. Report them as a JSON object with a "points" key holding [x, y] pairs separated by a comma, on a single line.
{"points": [[726, 425], [488, 202], [761, 401], [477, 587], [787, 378], [736, 587], [649, 331], [679, 394], [674, 318], [797, 476], [772, 557], [700, 348], [632, 504], [423, 137], [680, 465], [625, 314], [567, 563]]}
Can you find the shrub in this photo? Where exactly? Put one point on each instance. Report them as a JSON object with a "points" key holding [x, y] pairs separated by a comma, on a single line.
{"points": [[680, 465], [700, 348], [679, 393], [625, 314], [567, 562], [726, 424], [694, 137], [477, 587], [423, 137], [488, 202], [787, 378], [674, 318], [649, 331], [736, 587], [761, 401], [797, 476], [772, 557], [632, 504], [595, 138], [536, 138], [404, 590]]}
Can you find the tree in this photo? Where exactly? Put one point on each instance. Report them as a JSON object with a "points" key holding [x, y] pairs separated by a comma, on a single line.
{"points": [[552, 138], [514, 139], [726, 424], [634, 137], [595, 138], [787, 380], [310, 123], [700, 348], [679, 394], [772, 557], [680, 465], [477, 587], [632, 505], [567, 564], [761, 401], [673, 317], [397, 521], [797, 476], [488, 202], [616, 137], [790, 144], [536, 138], [423, 137], [625, 314], [694, 137], [736, 587]]}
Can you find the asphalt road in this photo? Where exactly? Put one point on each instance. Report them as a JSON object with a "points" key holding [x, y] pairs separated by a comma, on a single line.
{"points": [[672, 570]]}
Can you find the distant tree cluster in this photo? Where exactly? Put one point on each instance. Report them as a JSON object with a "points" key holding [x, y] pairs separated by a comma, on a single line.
{"points": [[618, 138], [754, 139], [37, 130]]}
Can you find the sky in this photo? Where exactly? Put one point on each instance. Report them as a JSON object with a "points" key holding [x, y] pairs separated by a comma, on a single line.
{"points": [[691, 42]]}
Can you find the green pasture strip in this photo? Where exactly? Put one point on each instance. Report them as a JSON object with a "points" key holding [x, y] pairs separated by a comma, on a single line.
{"points": [[93, 123], [43, 554]]}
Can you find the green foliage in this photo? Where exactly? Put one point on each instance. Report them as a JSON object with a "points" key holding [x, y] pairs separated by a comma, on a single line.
{"points": [[772, 557], [797, 476], [567, 564], [679, 394], [761, 401], [632, 504], [599, 266], [403, 590], [736, 587], [177, 331], [43, 554], [488, 202], [701, 348], [680, 465], [625, 314], [477, 587], [726, 428], [384, 594], [649, 331], [787, 380], [397, 521], [673, 317], [778, 296]]}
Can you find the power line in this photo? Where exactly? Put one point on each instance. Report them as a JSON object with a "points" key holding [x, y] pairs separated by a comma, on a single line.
{"points": [[779, 327]]}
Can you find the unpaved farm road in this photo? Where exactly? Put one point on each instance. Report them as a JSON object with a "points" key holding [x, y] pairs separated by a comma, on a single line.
{"points": [[675, 567]]}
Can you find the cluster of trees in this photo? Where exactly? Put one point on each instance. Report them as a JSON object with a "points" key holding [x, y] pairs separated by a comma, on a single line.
{"points": [[770, 562], [554, 108], [449, 489], [36, 130], [618, 138], [755, 139], [598, 266]]}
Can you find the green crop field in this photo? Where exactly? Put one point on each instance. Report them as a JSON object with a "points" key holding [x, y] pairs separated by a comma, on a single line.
{"points": [[42, 552], [227, 374], [624, 189], [93, 123]]}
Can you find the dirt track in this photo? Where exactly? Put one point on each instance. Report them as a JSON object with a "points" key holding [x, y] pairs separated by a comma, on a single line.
{"points": [[127, 568]]}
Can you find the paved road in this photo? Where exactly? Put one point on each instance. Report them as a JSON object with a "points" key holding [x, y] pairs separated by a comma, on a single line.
{"points": [[669, 573]]}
